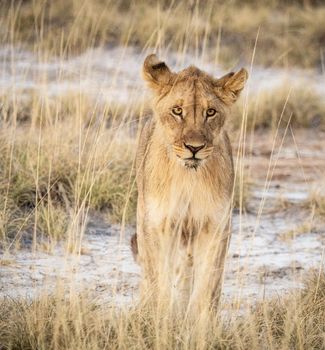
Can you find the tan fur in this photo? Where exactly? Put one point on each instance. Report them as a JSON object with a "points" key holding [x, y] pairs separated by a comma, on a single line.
{"points": [[184, 204]]}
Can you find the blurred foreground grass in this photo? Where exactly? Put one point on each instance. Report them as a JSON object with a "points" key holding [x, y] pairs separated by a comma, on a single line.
{"points": [[75, 322]]}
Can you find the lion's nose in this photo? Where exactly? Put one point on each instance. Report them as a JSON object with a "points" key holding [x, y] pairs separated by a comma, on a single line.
{"points": [[194, 149]]}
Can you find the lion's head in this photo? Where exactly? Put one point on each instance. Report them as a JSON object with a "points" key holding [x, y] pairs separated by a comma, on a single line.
{"points": [[191, 107]]}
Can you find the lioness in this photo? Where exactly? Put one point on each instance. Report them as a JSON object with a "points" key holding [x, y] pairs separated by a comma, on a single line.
{"points": [[185, 180]]}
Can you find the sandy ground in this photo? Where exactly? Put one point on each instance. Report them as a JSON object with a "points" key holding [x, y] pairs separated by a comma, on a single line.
{"points": [[265, 259]]}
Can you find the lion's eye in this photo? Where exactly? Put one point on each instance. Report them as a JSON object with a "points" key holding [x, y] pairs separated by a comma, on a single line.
{"points": [[177, 111], [211, 112]]}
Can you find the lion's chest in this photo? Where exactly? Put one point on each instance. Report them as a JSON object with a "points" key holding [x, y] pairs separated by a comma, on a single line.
{"points": [[182, 202]]}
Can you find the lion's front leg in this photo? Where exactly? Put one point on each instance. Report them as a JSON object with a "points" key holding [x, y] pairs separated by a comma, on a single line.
{"points": [[167, 266], [219, 265], [145, 248], [148, 252], [209, 258], [181, 278]]}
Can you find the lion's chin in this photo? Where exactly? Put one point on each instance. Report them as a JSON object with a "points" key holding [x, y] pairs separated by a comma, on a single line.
{"points": [[192, 163]]}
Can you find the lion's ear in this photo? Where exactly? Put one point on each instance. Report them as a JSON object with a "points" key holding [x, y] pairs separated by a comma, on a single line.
{"points": [[156, 72], [230, 85]]}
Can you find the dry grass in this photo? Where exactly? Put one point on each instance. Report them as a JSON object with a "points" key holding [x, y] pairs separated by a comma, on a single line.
{"points": [[76, 322], [242, 193], [304, 228], [60, 157], [274, 108], [223, 28], [317, 203]]}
